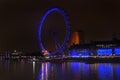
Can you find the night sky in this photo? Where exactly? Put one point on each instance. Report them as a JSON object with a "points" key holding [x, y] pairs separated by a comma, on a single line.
{"points": [[19, 20]]}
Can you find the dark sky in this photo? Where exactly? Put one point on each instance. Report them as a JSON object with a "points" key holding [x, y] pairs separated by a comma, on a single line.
{"points": [[19, 20]]}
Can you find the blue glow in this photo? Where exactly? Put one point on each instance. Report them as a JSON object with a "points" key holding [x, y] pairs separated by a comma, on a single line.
{"points": [[84, 56], [117, 51], [117, 71], [85, 71], [84, 52], [75, 67], [75, 56], [104, 52], [60, 50], [76, 53], [104, 69]]}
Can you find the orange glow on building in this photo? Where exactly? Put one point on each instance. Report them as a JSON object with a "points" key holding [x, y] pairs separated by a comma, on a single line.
{"points": [[75, 38]]}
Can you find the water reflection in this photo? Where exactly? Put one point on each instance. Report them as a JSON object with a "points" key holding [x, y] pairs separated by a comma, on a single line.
{"points": [[59, 71], [79, 71], [117, 72], [33, 69], [105, 72], [43, 73]]}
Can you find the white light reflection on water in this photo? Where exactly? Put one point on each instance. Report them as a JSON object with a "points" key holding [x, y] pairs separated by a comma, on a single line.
{"points": [[43, 75], [33, 69]]}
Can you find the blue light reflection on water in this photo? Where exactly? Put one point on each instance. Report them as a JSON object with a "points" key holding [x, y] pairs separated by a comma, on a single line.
{"points": [[117, 72], [59, 71], [75, 70], [79, 71], [105, 71], [75, 67]]}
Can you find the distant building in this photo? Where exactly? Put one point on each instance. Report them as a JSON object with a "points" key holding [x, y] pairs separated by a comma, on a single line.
{"points": [[96, 48], [77, 37], [15, 53]]}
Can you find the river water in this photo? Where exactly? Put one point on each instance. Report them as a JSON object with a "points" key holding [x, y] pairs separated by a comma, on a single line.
{"points": [[24, 70]]}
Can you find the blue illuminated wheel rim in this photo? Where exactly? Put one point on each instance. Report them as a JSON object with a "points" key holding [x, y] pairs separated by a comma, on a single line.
{"points": [[67, 35]]}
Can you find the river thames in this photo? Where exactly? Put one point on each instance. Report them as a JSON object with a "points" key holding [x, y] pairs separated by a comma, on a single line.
{"points": [[25, 70]]}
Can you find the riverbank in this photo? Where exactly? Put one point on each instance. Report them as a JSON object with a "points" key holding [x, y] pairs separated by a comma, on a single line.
{"points": [[87, 60], [71, 59]]}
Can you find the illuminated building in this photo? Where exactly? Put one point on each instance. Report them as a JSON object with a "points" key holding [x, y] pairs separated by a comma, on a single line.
{"points": [[79, 53], [117, 51], [75, 38], [96, 48], [104, 52]]}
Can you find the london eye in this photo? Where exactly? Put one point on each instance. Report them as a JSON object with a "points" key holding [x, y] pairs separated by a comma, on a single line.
{"points": [[60, 47]]}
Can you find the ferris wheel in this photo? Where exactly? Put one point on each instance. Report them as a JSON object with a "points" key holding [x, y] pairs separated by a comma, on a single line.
{"points": [[60, 47]]}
